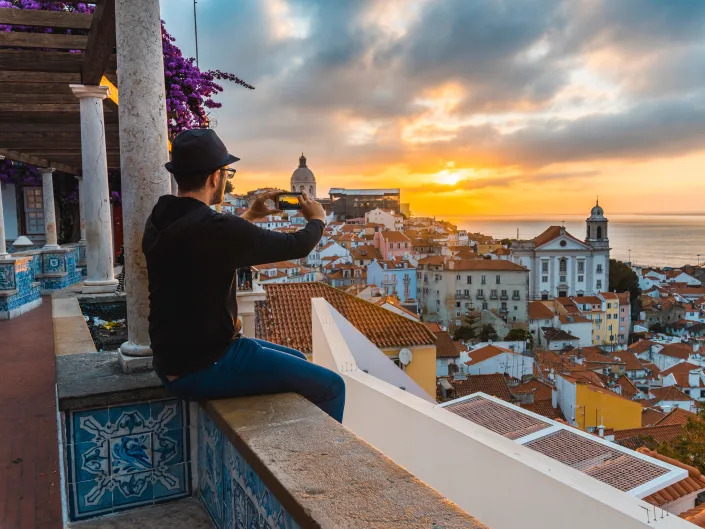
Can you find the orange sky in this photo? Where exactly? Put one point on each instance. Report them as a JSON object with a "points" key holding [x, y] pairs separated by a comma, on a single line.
{"points": [[471, 108]]}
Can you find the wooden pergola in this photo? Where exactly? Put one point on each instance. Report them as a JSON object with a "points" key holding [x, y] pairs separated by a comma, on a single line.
{"points": [[39, 115]]}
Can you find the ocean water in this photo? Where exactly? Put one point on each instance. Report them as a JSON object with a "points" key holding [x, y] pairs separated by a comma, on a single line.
{"points": [[654, 240]]}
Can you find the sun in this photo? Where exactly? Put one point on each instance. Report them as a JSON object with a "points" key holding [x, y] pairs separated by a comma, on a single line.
{"points": [[448, 177]]}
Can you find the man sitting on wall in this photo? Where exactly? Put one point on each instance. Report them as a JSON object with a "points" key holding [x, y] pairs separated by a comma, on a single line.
{"points": [[193, 254]]}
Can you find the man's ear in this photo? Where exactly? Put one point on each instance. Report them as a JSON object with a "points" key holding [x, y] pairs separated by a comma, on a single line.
{"points": [[213, 178]]}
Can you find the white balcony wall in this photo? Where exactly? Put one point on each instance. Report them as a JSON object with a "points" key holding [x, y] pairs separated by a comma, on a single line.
{"points": [[502, 484]]}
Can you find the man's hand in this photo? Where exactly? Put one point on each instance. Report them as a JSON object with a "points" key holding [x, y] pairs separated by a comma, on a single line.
{"points": [[259, 209], [311, 209]]}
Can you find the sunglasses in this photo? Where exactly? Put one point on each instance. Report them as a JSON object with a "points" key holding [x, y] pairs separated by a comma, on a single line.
{"points": [[229, 173]]}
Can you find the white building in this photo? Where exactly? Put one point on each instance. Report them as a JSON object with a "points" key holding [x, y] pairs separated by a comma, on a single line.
{"points": [[390, 220], [448, 290], [561, 265], [493, 359]]}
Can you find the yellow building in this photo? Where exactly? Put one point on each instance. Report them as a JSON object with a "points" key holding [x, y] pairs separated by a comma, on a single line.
{"points": [[592, 307], [588, 406], [610, 303], [422, 368]]}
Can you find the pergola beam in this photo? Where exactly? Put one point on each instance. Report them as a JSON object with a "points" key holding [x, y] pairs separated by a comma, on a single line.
{"points": [[47, 19], [40, 61], [43, 40], [37, 162], [39, 77], [101, 43]]}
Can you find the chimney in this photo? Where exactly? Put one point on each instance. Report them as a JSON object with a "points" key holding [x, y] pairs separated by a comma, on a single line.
{"points": [[694, 378], [601, 430]]}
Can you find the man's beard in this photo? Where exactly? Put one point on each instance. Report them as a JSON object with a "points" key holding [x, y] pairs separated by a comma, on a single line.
{"points": [[219, 193]]}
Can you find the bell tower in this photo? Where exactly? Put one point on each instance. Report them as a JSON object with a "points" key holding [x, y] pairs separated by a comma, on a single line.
{"points": [[597, 228]]}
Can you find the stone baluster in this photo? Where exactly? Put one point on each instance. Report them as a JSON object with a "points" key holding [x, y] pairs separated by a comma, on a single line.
{"points": [[100, 275], [49, 209], [143, 152]]}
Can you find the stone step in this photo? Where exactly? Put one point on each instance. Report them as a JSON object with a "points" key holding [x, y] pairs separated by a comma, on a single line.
{"points": [[182, 514]]}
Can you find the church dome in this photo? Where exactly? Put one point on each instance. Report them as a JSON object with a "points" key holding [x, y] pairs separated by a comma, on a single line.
{"points": [[597, 213], [302, 174]]}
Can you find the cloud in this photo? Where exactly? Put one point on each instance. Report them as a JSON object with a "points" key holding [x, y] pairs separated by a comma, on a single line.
{"points": [[359, 86]]}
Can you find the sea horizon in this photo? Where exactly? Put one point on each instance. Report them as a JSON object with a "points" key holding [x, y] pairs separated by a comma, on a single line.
{"points": [[654, 239]]}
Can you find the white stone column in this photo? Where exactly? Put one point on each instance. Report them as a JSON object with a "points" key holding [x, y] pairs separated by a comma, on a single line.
{"points": [[81, 209], [49, 209], [143, 152], [3, 245], [100, 275]]}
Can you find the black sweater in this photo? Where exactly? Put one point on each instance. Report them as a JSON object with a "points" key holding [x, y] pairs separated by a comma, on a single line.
{"points": [[192, 255]]}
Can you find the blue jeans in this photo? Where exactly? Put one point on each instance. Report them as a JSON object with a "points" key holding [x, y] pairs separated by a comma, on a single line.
{"points": [[255, 367]]}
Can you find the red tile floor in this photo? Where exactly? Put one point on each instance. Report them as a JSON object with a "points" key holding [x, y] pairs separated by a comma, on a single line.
{"points": [[30, 488]]}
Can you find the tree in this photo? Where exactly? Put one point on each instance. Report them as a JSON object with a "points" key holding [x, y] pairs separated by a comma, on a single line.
{"points": [[623, 279], [506, 242], [658, 328], [689, 446], [487, 333], [520, 335], [467, 330]]}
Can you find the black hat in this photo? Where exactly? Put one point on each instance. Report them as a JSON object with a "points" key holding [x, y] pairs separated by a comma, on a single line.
{"points": [[198, 151]]}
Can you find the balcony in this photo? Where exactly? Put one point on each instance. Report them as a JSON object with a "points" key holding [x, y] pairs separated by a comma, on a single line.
{"points": [[493, 296], [480, 295], [504, 297]]}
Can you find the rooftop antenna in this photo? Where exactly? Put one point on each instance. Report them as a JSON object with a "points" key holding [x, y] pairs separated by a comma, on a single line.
{"points": [[195, 30]]}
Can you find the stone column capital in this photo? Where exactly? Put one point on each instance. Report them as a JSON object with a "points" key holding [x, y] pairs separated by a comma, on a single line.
{"points": [[83, 90], [46, 170]]}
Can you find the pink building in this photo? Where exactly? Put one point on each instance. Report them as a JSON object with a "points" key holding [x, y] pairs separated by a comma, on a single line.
{"points": [[392, 244]]}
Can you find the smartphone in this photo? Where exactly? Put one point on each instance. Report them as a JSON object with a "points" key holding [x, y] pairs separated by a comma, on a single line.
{"points": [[289, 201]]}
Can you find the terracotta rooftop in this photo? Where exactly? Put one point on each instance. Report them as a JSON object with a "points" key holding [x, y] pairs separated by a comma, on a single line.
{"points": [[445, 346], [637, 437], [650, 416], [677, 350], [552, 334], [629, 359], [553, 232], [567, 319], [587, 300], [540, 390], [677, 416], [695, 482], [696, 516], [285, 317], [640, 347], [495, 385], [545, 408], [629, 390], [486, 352], [669, 393], [485, 264], [539, 311], [395, 236]]}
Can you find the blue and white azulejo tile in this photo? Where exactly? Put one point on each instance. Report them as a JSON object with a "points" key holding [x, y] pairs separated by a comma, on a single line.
{"points": [[126, 456]]}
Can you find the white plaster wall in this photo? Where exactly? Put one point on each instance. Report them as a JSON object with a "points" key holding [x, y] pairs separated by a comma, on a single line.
{"points": [[516, 365], [501, 483], [582, 331], [566, 398]]}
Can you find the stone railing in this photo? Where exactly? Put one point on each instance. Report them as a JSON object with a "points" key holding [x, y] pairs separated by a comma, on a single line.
{"points": [[267, 461]]}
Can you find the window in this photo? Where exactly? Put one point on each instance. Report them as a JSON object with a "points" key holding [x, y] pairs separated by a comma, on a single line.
{"points": [[498, 279], [581, 279], [544, 279], [480, 293], [391, 245], [504, 293], [457, 277], [516, 295], [483, 280], [469, 280], [484, 306], [544, 267], [33, 210], [493, 294], [609, 305], [438, 302], [599, 284], [406, 245], [466, 293], [562, 279], [581, 267], [563, 265], [504, 306], [457, 293], [515, 308], [599, 269], [457, 314]]}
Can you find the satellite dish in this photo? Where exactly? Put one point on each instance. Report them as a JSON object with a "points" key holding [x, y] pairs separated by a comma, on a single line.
{"points": [[405, 356]]}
